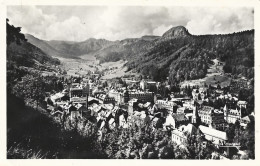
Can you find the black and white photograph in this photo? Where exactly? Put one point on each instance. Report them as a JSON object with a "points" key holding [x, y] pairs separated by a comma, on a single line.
{"points": [[130, 82]]}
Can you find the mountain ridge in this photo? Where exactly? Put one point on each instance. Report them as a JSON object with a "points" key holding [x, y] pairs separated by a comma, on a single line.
{"points": [[173, 54]]}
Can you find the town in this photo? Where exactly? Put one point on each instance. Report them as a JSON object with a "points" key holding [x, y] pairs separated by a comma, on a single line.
{"points": [[118, 103], [130, 82]]}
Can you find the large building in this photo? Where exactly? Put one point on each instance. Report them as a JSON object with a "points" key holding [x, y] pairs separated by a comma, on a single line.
{"points": [[131, 105], [105, 99], [232, 115], [199, 94], [78, 95], [116, 95], [242, 104], [215, 136], [148, 84], [165, 104], [143, 96], [212, 117], [179, 135]]}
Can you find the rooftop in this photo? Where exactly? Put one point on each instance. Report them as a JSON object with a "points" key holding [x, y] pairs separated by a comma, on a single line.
{"points": [[213, 132], [241, 102], [179, 117]]}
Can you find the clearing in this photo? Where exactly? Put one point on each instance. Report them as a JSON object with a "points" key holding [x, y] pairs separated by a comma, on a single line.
{"points": [[215, 75]]}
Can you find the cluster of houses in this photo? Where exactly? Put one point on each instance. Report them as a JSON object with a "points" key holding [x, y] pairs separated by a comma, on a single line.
{"points": [[117, 107]]}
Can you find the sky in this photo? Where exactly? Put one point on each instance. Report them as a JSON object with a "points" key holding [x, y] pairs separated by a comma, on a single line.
{"points": [[79, 23]]}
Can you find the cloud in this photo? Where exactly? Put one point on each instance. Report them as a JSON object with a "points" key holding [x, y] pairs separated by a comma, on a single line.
{"points": [[78, 23], [31, 19], [220, 20], [71, 29], [161, 29]]}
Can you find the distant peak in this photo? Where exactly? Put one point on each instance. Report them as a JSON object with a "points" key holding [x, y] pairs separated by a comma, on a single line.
{"points": [[178, 31], [149, 37]]}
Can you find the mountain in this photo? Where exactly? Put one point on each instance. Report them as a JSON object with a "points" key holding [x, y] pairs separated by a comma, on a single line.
{"points": [[43, 45], [103, 49], [182, 56], [23, 58], [28, 55], [68, 49], [79, 48], [176, 54], [149, 37], [178, 31], [22, 53]]}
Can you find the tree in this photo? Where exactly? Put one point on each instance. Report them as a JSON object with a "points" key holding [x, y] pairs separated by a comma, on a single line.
{"points": [[31, 88], [13, 34], [247, 139]]}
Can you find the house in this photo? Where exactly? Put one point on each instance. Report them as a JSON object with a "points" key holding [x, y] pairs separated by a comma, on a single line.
{"points": [[57, 97], [232, 115], [166, 104], [183, 110], [148, 84], [74, 113], [143, 96], [242, 104], [180, 135], [169, 122], [215, 136], [180, 119], [245, 120], [105, 99], [212, 117]]}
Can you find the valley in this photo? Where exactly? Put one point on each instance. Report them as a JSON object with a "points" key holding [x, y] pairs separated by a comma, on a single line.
{"points": [[129, 98], [89, 64]]}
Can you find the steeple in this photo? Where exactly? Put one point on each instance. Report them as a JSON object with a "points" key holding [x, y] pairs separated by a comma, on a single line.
{"points": [[195, 115], [225, 108]]}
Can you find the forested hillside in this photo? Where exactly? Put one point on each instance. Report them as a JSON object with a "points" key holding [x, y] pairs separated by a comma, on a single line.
{"points": [[23, 53], [184, 56], [177, 54]]}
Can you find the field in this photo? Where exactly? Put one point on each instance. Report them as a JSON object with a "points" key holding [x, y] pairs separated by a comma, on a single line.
{"points": [[214, 76], [89, 63]]}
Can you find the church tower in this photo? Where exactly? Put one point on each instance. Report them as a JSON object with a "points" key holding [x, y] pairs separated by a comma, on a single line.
{"points": [[195, 115]]}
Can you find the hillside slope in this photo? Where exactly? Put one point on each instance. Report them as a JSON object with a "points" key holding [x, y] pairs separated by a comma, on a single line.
{"points": [[177, 54], [43, 45], [69, 49], [22, 53], [181, 56]]}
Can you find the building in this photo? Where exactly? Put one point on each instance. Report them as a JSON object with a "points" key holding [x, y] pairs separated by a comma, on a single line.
{"points": [[215, 136], [199, 94], [238, 83], [76, 92], [143, 96], [105, 99], [94, 76], [78, 95], [232, 115], [74, 112], [131, 105], [241, 104], [165, 104], [247, 119], [116, 95], [57, 97], [131, 82], [183, 110], [148, 85], [180, 119], [180, 135], [195, 116], [212, 117]]}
